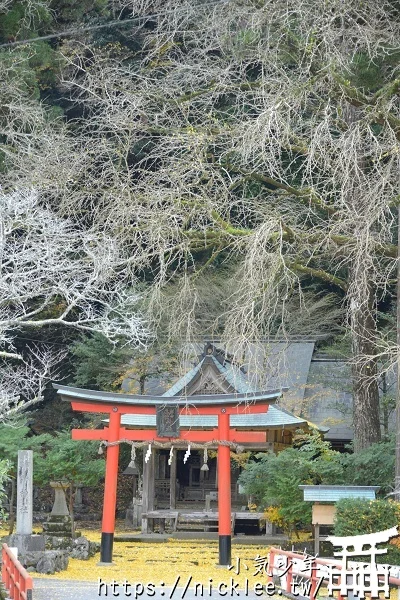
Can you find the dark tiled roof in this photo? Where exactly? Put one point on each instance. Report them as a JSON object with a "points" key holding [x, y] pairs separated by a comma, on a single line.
{"points": [[328, 398]]}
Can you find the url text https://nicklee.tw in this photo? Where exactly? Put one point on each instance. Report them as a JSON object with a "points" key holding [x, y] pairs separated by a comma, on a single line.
{"points": [[188, 588]]}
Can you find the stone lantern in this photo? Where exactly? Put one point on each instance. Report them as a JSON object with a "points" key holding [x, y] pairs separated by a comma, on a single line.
{"points": [[59, 522]]}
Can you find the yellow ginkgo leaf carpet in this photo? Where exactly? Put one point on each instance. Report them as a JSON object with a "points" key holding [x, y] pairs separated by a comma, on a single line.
{"points": [[163, 563]]}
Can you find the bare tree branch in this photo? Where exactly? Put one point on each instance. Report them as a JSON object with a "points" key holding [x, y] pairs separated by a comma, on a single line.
{"points": [[55, 273]]}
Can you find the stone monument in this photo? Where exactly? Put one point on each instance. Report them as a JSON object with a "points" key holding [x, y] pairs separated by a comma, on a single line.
{"points": [[32, 551], [23, 539], [78, 500], [25, 492]]}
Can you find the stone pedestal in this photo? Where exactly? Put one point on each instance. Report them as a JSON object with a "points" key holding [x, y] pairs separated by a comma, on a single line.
{"points": [[26, 543], [58, 526]]}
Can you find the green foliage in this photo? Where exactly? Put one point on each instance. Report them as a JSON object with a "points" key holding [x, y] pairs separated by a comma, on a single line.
{"points": [[71, 11], [371, 75], [101, 365], [36, 65], [10, 23], [4, 471], [242, 43], [69, 462], [372, 466], [29, 19], [19, 75], [24, 20], [339, 347], [46, 63], [56, 457], [59, 458], [98, 363], [274, 479], [29, 70], [13, 437], [357, 517], [366, 73]]}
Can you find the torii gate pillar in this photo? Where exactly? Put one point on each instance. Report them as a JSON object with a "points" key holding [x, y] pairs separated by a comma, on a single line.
{"points": [[224, 491], [110, 491]]}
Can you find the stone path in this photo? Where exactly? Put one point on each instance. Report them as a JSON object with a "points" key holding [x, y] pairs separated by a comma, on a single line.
{"points": [[46, 589]]}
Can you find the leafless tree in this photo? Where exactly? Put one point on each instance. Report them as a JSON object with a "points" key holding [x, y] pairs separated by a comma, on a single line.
{"points": [[53, 273], [241, 134]]}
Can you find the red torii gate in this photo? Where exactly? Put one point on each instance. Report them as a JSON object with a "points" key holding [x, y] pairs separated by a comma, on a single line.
{"points": [[116, 405]]}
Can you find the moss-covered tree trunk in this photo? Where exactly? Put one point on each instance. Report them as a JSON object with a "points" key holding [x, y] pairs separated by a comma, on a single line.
{"points": [[11, 514], [367, 429], [71, 508]]}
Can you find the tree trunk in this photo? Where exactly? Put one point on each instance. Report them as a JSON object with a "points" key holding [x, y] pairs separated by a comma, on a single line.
{"points": [[71, 508], [385, 408], [367, 429], [397, 473], [361, 302], [11, 516]]}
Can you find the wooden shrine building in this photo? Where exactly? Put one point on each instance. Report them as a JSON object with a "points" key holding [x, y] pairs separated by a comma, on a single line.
{"points": [[191, 482]]}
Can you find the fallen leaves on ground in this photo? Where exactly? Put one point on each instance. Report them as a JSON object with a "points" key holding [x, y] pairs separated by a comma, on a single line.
{"points": [[159, 563], [194, 561]]}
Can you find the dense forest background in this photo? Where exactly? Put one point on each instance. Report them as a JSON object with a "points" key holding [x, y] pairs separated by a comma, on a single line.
{"points": [[232, 166]]}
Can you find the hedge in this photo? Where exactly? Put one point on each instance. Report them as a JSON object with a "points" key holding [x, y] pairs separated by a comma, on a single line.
{"points": [[357, 517]]}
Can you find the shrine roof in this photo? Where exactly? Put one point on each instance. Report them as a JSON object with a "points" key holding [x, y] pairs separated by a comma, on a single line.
{"points": [[333, 493], [79, 394], [275, 417], [229, 372], [183, 381], [234, 376]]}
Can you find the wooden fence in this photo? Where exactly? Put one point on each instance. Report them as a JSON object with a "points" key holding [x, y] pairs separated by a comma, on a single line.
{"points": [[16, 579], [309, 572]]}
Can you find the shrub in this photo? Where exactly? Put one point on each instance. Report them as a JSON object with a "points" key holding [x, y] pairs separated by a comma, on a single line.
{"points": [[4, 471], [372, 466], [273, 514], [357, 517], [274, 479]]}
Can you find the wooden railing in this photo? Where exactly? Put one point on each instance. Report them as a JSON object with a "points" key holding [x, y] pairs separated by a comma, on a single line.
{"points": [[198, 492], [16, 579], [312, 573]]}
